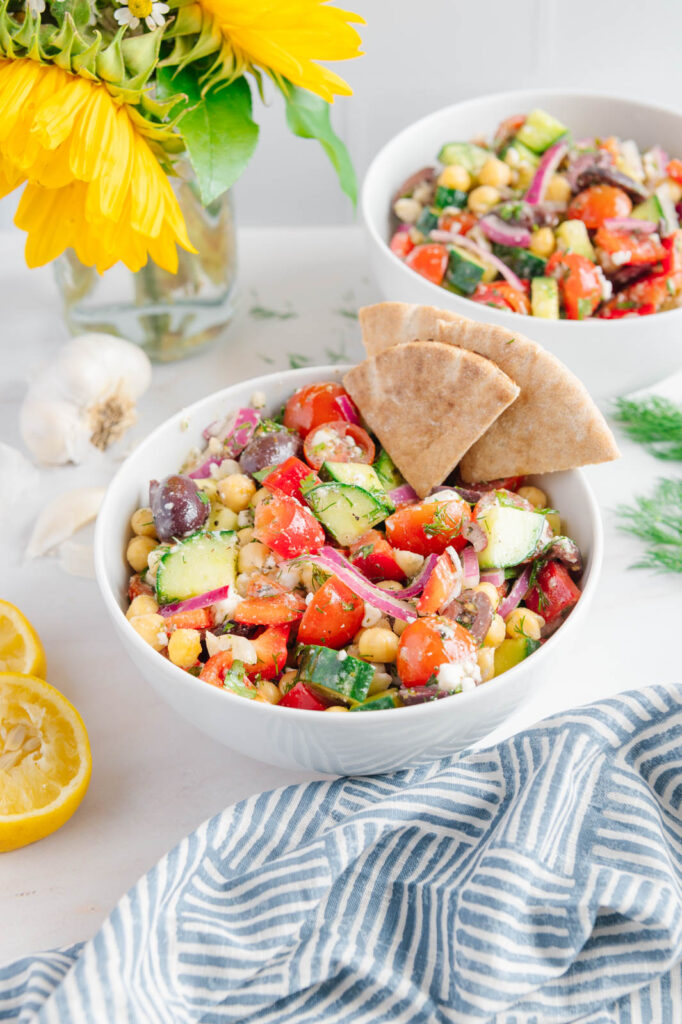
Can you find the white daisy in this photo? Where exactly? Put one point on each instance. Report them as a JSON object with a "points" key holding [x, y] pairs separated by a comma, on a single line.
{"points": [[132, 11], [36, 7]]}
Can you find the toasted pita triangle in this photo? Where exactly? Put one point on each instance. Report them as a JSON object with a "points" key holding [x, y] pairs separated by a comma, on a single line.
{"points": [[428, 404], [553, 425]]}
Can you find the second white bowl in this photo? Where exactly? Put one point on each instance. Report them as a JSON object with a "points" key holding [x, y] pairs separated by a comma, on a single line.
{"points": [[611, 357]]}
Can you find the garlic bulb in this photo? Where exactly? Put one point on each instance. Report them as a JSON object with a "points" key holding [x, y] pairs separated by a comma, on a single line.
{"points": [[84, 398]]}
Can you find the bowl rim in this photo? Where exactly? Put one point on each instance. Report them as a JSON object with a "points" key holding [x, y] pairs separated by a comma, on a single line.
{"points": [[381, 155], [103, 542]]}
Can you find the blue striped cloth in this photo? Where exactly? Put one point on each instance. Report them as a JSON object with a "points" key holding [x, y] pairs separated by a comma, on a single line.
{"points": [[537, 881]]}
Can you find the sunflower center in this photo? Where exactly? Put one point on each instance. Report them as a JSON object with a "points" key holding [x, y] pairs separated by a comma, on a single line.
{"points": [[140, 8]]}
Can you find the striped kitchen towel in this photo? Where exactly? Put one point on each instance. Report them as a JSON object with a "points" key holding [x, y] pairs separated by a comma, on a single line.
{"points": [[536, 881]]}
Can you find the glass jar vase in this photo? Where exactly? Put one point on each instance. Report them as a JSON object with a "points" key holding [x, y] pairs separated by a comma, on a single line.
{"points": [[169, 315]]}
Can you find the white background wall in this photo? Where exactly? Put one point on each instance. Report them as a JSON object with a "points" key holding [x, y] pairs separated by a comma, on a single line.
{"points": [[423, 54]]}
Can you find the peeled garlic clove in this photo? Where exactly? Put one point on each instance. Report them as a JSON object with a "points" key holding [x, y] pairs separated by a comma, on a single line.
{"points": [[61, 517], [84, 399]]}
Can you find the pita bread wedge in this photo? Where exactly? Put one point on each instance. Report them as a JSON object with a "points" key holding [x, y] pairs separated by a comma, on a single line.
{"points": [[428, 404], [392, 323], [553, 425]]}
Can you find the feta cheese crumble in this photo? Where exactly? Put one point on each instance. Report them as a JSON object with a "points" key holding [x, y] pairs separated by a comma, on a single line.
{"points": [[460, 676]]}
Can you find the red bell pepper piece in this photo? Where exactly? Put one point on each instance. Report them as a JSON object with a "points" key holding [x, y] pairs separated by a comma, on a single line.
{"points": [[287, 478], [333, 616], [554, 594], [200, 618], [430, 260], [137, 586], [439, 588], [270, 610], [374, 557], [636, 247], [674, 171], [401, 244], [579, 283], [302, 697]]}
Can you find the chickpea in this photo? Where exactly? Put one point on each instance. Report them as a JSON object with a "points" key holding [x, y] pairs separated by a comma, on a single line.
{"points": [[142, 523], [543, 242], [485, 657], [138, 551], [534, 495], [152, 629], [222, 518], [407, 210], [245, 535], [381, 681], [558, 189], [399, 626], [252, 556], [495, 634], [456, 177], [378, 644], [236, 491], [391, 585], [241, 583], [495, 172], [490, 592], [260, 494], [287, 681], [209, 486], [184, 647], [269, 691], [337, 707], [675, 189], [483, 198], [524, 622], [143, 604]]}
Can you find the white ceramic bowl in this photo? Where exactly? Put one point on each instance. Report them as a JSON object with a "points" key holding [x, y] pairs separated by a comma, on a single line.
{"points": [[610, 356], [357, 744]]}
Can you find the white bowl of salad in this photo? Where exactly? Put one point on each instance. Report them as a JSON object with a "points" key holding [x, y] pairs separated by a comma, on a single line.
{"points": [[264, 565], [551, 213]]}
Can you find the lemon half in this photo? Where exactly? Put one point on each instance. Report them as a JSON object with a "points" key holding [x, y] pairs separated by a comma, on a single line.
{"points": [[20, 646], [45, 760]]}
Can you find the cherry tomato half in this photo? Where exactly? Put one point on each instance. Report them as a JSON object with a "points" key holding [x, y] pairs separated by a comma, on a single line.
{"points": [[502, 295], [333, 617], [449, 220], [580, 283], [429, 260], [315, 404], [437, 594], [375, 558], [338, 441], [554, 593], [401, 244], [430, 526], [287, 527], [598, 203], [428, 643]]}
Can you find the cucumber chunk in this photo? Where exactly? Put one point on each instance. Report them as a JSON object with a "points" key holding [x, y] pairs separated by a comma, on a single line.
{"points": [[540, 131], [202, 562], [357, 473], [544, 298], [449, 197], [464, 271], [572, 236], [427, 220], [523, 262], [650, 209], [388, 473], [517, 155], [513, 534], [347, 511], [380, 702], [466, 154], [346, 677], [513, 651]]}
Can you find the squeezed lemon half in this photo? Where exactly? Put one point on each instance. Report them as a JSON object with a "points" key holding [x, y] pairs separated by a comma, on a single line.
{"points": [[45, 760], [20, 646]]}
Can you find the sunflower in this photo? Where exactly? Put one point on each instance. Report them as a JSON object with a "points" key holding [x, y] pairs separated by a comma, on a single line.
{"points": [[93, 182], [285, 38]]}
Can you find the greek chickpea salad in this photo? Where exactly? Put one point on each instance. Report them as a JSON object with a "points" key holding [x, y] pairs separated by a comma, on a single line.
{"points": [[537, 223], [289, 563]]}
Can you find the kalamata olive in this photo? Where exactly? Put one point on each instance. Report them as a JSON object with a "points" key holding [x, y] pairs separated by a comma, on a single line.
{"points": [[269, 448], [178, 506], [565, 550], [624, 276], [420, 694], [473, 610], [596, 175]]}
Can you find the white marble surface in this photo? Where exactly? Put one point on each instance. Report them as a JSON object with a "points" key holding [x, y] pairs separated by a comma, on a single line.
{"points": [[154, 777]]}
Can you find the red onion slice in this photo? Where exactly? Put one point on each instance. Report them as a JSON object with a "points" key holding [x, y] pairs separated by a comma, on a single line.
{"points": [[516, 594], [193, 603], [546, 168], [471, 572], [235, 431], [403, 494], [630, 224], [333, 561], [347, 409], [494, 576], [504, 233], [493, 260], [204, 470]]}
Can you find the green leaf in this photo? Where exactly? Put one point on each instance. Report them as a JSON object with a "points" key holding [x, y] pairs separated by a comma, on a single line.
{"points": [[218, 129], [308, 117]]}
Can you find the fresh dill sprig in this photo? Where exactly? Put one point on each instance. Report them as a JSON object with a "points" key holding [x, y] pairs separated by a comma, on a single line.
{"points": [[264, 313], [655, 422], [658, 521]]}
